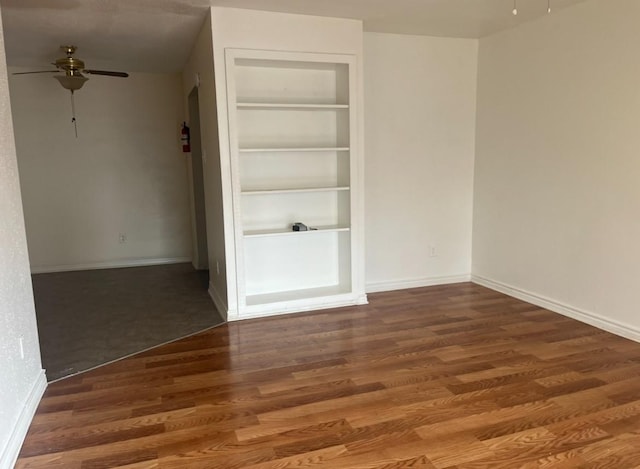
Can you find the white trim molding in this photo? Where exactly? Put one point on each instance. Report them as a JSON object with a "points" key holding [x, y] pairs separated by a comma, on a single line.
{"points": [[303, 306], [373, 287], [218, 302], [10, 452], [593, 319], [109, 264]]}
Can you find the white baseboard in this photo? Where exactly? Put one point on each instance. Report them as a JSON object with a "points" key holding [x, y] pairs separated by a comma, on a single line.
{"points": [[593, 319], [305, 305], [10, 453], [197, 266], [415, 283], [109, 265], [362, 299], [219, 302]]}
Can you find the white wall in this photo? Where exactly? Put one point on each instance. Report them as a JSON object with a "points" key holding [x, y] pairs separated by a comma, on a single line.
{"points": [[420, 97], [557, 194], [22, 381], [124, 174], [250, 29], [201, 64]]}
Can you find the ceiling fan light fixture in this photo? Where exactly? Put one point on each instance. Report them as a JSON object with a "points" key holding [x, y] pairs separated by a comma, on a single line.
{"points": [[71, 83], [515, 7]]}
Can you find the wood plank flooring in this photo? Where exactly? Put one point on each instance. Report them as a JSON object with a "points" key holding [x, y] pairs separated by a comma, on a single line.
{"points": [[453, 376]]}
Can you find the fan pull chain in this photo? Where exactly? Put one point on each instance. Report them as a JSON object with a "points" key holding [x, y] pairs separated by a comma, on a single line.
{"points": [[73, 114]]}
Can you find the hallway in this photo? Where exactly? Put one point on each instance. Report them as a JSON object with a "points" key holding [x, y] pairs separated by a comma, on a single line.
{"points": [[88, 318]]}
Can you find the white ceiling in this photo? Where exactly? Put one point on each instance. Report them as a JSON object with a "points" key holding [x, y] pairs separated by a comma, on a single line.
{"points": [[157, 35]]}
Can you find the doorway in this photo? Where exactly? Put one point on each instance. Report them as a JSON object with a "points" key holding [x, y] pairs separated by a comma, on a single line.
{"points": [[200, 254], [108, 221]]}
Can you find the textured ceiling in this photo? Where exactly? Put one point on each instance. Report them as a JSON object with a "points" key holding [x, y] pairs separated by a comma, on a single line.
{"points": [[157, 35]]}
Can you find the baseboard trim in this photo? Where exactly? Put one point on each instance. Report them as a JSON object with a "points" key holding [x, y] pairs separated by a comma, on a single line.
{"points": [[624, 330], [373, 287], [19, 432], [109, 265], [218, 302], [362, 299], [299, 306]]}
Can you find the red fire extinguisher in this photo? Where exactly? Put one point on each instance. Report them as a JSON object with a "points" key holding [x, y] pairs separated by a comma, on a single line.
{"points": [[185, 138]]}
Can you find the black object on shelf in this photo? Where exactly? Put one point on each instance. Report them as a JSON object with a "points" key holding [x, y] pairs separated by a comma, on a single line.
{"points": [[299, 226]]}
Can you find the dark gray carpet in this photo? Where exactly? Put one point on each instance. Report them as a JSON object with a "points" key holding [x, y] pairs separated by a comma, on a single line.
{"points": [[88, 318]]}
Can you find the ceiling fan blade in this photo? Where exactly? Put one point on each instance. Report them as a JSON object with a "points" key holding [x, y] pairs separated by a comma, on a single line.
{"points": [[106, 73], [38, 71]]}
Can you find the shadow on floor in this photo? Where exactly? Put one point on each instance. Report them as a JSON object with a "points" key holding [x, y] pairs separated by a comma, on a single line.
{"points": [[88, 318]]}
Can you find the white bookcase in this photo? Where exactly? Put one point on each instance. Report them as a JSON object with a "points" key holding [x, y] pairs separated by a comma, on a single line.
{"points": [[294, 158]]}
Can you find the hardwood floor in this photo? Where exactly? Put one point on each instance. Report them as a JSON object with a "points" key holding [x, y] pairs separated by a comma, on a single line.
{"points": [[453, 376]]}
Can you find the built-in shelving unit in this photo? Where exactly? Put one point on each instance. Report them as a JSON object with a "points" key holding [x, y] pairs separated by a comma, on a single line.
{"points": [[292, 134]]}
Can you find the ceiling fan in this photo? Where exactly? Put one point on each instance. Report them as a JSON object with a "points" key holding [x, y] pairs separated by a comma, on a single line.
{"points": [[73, 69], [73, 77]]}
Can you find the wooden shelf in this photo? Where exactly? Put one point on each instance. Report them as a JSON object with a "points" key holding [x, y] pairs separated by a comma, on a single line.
{"points": [[289, 232], [292, 149], [292, 106], [294, 191]]}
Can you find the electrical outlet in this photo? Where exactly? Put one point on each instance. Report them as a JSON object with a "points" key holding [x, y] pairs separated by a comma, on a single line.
{"points": [[432, 251], [218, 267], [122, 238], [21, 346]]}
